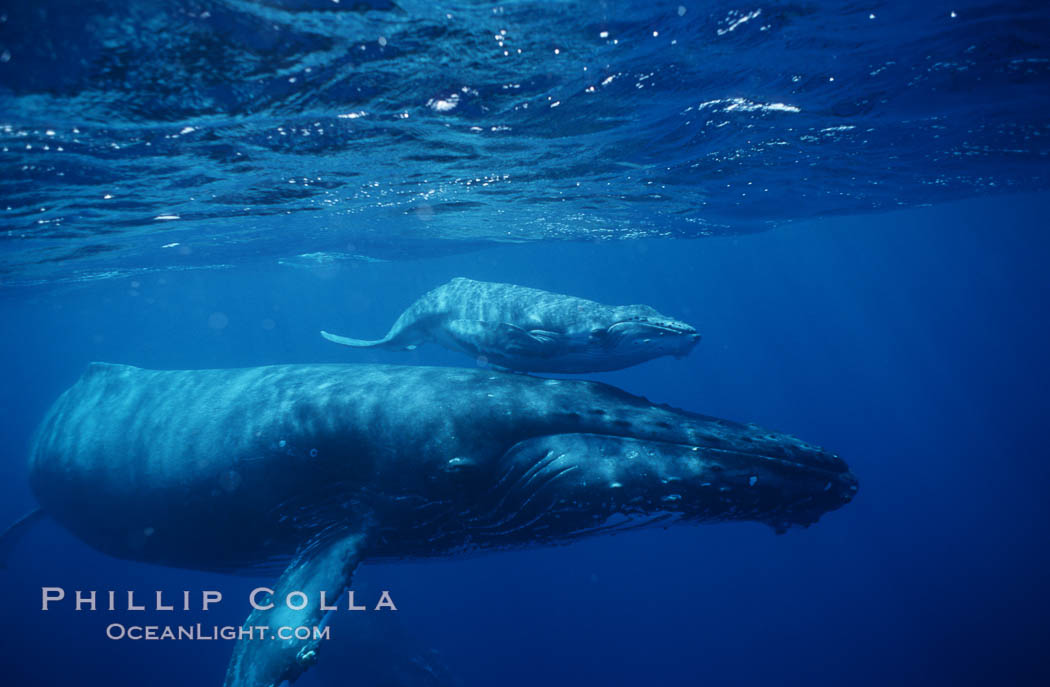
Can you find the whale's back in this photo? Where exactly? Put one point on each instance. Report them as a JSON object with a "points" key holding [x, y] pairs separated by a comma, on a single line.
{"points": [[175, 467]]}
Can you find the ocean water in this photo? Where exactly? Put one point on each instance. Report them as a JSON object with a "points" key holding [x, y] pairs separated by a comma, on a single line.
{"points": [[847, 200]]}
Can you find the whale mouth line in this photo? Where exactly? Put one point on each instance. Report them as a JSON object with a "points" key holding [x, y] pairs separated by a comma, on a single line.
{"points": [[680, 329]]}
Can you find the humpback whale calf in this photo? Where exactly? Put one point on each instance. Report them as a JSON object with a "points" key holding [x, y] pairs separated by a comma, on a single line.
{"points": [[315, 468], [529, 330]]}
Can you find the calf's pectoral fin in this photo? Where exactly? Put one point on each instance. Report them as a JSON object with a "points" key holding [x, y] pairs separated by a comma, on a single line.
{"points": [[357, 343], [486, 338], [398, 339], [266, 660]]}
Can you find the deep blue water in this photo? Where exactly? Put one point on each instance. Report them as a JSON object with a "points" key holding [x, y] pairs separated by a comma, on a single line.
{"points": [[881, 290]]}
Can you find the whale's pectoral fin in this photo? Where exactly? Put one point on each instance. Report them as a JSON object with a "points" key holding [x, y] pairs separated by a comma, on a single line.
{"points": [[487, 338], [263, 658]]}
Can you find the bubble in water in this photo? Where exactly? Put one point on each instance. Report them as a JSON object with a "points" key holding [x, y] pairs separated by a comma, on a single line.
{"points": [[218, 320]]}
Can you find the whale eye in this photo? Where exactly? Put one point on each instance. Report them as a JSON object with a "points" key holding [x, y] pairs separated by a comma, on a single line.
{"points": [[459, 468], [456, 475]]}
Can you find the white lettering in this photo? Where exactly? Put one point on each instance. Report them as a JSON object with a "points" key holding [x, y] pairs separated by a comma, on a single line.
{"points": [[160, 603], [288, 601], [89, 599], [48, 595], [386, 602], [210, 597], [351, 605], [255, 604], [133, 607]]}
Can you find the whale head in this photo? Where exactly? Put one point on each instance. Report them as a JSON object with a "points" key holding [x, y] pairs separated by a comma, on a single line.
{"points": [[572, 485], [624, 463], [638, 331]]}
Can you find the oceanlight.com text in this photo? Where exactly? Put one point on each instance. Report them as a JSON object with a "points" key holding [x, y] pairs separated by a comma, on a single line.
{"points": [[200, 632]]}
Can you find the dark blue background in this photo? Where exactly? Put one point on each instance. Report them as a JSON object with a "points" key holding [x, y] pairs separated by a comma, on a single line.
{"points": [[913, 344]]}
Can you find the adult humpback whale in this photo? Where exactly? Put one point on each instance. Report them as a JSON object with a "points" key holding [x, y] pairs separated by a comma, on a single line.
{"points": [[530, 330], [323, 466]]}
